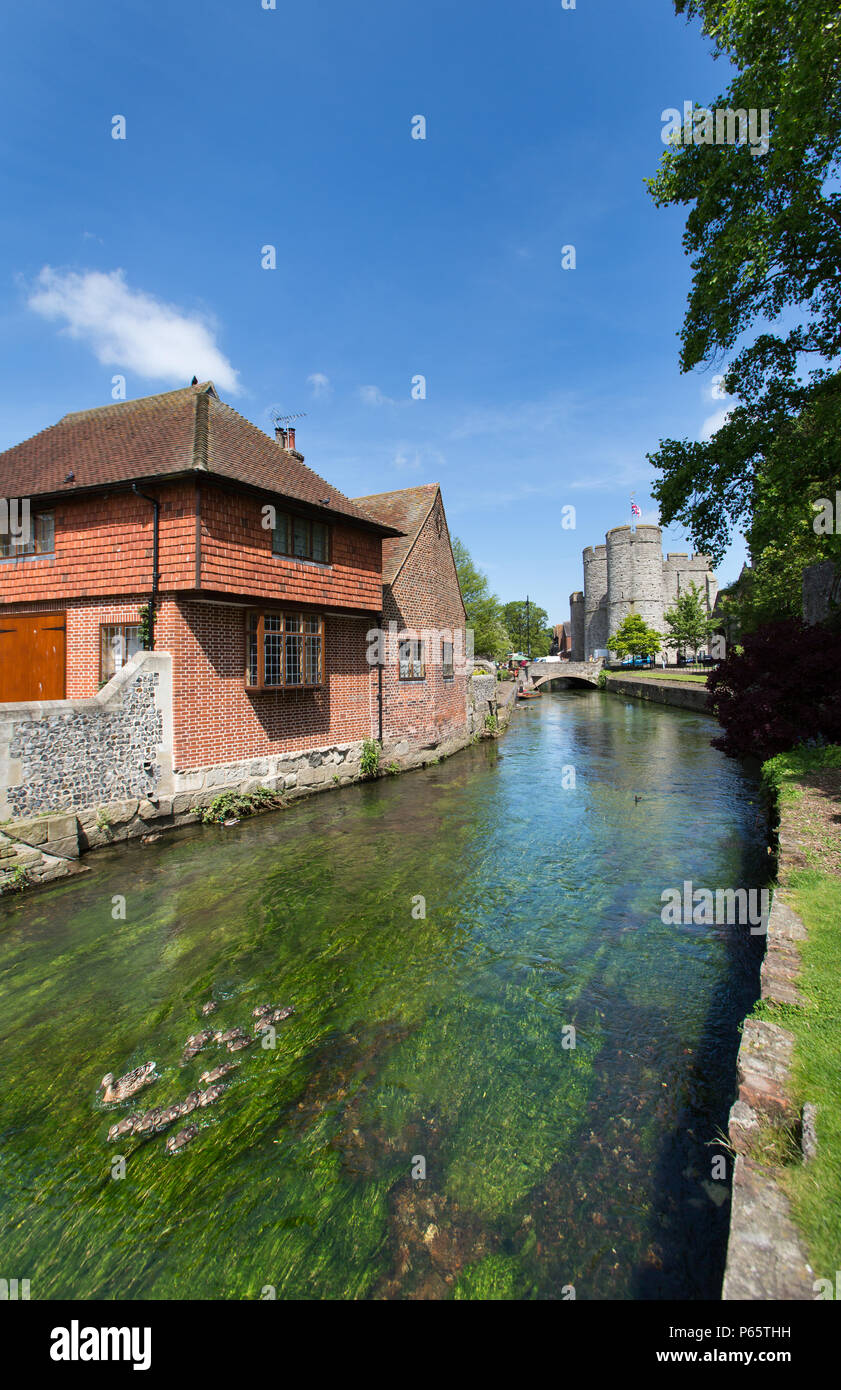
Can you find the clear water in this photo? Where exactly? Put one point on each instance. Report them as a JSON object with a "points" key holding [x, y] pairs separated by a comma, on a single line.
{"points": [[437, 1037]]}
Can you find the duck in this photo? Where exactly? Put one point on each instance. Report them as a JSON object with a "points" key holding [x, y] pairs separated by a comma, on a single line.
{"points": [[196, 1042], [210, 1095], [178, 1141], [189, 1104], [209, 1008], [272, 1016], [207, 1077], [127, 1085], [149, 1122], [124, 1126], [230, 1036]]}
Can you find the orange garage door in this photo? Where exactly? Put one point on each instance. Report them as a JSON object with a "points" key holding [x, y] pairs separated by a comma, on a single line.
{"points": [[32, 657]]}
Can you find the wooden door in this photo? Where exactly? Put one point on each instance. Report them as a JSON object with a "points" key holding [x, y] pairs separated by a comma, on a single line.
{"points": [[32, 657]]}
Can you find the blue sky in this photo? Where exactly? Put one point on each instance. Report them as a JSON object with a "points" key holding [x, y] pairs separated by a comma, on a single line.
{"points": [[396, 257]]}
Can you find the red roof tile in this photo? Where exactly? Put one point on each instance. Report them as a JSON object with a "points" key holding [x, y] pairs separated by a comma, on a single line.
{"points": [[406, 511], [186, 431]]}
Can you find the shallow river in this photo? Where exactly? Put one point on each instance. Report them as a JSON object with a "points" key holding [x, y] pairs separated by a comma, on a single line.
{"points": [[441, 1040]]}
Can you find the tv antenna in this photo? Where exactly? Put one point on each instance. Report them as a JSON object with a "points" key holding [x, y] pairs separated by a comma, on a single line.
{"points": [[278, 419]]}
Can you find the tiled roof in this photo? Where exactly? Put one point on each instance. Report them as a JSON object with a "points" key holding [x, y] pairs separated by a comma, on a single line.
{"points": [[185, 431], [406, 511]]}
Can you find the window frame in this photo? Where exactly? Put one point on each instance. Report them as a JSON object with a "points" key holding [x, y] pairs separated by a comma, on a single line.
{"points": [[413, 659], [123, 628], [284, 615], [448, 668], [291, 519], [11, 549]]}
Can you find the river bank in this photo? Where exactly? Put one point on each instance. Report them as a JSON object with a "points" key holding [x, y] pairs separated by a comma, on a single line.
{"points": [[785, 1126]]}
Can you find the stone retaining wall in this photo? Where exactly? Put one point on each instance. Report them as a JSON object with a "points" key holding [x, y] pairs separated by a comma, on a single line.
{"points": [[666, 692], [766, 1258]]}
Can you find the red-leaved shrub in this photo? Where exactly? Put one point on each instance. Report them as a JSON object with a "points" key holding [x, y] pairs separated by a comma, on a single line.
{"points": [[784, 689]]}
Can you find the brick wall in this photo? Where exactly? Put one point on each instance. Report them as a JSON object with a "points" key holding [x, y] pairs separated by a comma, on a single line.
{"points": [[217, 720], [104, 547], [236, 558], [425, 596]]}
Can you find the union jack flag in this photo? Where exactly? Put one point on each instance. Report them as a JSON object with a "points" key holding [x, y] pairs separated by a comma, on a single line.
{"points": [[635, 511]]}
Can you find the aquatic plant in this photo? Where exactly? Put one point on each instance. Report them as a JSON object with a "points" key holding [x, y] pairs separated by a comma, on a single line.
{"points": [[369, 761], [235, 805]]}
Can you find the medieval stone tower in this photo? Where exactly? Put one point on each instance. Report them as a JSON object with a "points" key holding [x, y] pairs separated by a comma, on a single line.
{"points": [[628, 574]]}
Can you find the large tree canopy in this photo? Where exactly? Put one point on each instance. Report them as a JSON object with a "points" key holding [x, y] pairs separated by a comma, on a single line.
{"points": [[764, 235]]}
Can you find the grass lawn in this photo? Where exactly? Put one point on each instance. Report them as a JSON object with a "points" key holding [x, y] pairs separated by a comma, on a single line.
{"points": [[695, 677], [808, 784]]}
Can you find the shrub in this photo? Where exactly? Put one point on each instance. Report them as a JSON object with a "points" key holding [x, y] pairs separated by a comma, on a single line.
{"points": [[780, 690], [490, 723], [369, 761]]}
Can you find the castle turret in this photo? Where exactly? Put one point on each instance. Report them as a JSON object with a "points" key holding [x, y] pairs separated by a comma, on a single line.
{"points": [[576, 614], [595, 599], [635, 575]]}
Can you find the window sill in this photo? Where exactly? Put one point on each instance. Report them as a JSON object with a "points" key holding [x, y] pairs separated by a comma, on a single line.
{"points": [[279, 689]]}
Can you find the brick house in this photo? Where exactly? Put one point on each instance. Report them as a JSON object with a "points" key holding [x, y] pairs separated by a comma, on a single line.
{"points": [[425, 680], [266, 582]]}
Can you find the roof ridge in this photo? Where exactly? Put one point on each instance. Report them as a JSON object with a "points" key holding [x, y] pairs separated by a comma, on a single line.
{"points": [[201, 388]]}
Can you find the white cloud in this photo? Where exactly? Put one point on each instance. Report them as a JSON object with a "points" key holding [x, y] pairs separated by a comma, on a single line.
{"points": [[319, 383], [713, 423], [372, 395], [130, 329]]}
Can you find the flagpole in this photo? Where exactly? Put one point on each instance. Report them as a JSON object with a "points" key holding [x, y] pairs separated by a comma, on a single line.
{"points": [[633, 517]]}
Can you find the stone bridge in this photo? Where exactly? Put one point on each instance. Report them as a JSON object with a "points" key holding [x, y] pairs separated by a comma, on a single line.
{"points": [[582, 672]]}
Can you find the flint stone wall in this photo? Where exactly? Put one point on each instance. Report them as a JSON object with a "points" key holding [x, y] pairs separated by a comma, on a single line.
{"points": [[65, 755]]}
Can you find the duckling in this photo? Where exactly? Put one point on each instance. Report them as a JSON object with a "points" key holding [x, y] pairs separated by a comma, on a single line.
{"points": [[124, 1126], [195, 1043], [218, 1072], [127, 1085], [209, 1008], [178, 1141], [167, 1117], [237, 1044], [149, 1122], [210, 1095], [190, 1103], [230, 1036], [260, 1010], [272, 1016]]}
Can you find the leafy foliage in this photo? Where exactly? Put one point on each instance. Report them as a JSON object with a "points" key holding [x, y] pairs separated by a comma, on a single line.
{"points": [[688, 621], [764, 235], [369, 759], [634, 638], [236, 805], [779, 691], [484, 610], [528, 627]]}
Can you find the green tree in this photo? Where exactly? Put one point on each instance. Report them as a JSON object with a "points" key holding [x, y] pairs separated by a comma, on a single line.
{"points": [[484, 611], [528, 627], [634, 637], [688, 621], [764, 235]]}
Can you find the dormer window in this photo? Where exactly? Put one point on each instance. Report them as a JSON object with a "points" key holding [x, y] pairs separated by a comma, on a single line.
{"points": [[301, 537]]}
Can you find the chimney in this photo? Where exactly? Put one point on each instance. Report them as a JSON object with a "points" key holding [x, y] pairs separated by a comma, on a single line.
{"points": [[281, 436], [291, 436]]}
